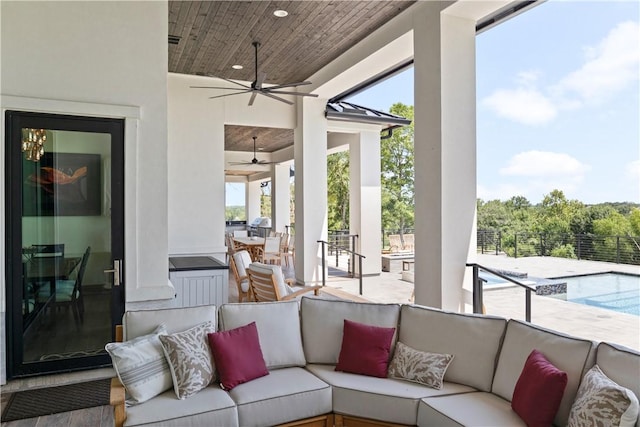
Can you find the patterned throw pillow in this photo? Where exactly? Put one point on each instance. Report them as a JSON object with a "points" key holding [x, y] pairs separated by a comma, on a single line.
{"points": [[141, 366], [190, 359], [602, 402], [419, 366]]}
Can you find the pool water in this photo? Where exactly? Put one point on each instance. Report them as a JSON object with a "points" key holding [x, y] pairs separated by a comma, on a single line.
{"points": [[611, 291]]}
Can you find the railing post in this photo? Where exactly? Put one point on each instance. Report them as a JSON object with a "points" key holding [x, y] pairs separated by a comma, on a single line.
{"points": [[579, 249], [477, 291], [515, 245], [618, 249], [360, 272], [527, 306], [324, 280]]}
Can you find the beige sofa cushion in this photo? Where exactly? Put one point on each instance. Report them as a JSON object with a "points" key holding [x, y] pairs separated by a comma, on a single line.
{"points": [[323, 321], [571, 355], [473, 340], [283, 396], [278, 326], [385, 399], [210, 407], [622, 365], [144, 322], [470, 410]]}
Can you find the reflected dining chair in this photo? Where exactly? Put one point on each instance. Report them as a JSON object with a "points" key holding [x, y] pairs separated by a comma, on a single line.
{"points": [[268, 284], [68, 293]]}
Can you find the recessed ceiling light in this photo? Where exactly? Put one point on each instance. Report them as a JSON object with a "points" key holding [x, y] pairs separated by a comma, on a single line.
{"points": [[237, 67], [280, 13]]}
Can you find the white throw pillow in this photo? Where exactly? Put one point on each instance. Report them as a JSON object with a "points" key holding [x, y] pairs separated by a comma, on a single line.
{"points": [[190, 359], [141, 366], [601, 401], [243, 261], [278, 326], [419, 366]]}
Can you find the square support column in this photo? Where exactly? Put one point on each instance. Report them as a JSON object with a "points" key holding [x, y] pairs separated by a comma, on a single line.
{"points": [[253, 200], [310, 153], [365, 199], [445, 157], [280, 196]]}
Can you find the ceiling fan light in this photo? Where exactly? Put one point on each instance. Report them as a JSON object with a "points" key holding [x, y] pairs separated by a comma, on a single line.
{"points": [[237, 67], [280, 13]]}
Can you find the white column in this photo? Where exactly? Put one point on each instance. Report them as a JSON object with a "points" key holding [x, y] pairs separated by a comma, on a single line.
{"points": [[280, 195], [310, 153], [365, 198], [253, 200], [445, 157]]}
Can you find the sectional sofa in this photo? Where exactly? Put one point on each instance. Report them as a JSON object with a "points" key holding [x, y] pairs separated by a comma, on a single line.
{"points": [[301, 342]]}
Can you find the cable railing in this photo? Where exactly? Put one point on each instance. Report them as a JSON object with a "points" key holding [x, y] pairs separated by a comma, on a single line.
{"points": [[353, 256], [478, 282], [592, 247]]}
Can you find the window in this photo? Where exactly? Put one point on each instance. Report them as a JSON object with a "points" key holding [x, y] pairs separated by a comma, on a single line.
{"points": [[235, 201]]}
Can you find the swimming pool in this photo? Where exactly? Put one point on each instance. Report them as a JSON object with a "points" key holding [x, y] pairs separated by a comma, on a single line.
{"points": [[612, 291]]}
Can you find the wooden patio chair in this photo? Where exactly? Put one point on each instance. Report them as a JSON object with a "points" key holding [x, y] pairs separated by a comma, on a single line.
{"points": [[268, 284], [395, 243], [408, 243], [239, 263]]}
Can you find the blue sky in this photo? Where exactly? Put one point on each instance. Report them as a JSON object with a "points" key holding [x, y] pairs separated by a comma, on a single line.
{"points": [[557, 103]]}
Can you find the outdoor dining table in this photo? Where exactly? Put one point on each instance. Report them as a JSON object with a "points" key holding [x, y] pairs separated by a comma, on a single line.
{"points": [[252, 244]]}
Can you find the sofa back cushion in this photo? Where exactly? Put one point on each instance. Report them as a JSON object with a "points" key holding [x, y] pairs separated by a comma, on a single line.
{"points": [[323, 322], [144, 322], [473, 340], [621, 365], [278, 326], [571, 355]]}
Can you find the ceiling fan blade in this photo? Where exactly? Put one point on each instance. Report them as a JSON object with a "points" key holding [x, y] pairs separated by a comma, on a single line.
{"points": [[286, 101], [216, 87], [234, 82], [229, 94], [284, 92], [290, 85], [240, 163], [253, 97], [261, 78]]}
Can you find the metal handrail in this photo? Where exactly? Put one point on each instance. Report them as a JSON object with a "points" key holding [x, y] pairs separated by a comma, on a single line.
{"points": [[326, 245], [478, 282]]}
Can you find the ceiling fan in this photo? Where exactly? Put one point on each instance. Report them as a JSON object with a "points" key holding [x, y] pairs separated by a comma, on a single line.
{"points": [[255, 160], [257, 88]]}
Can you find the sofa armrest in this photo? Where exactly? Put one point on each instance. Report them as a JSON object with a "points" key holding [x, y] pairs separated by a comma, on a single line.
{"points": [[304, 290], [116, 399]]}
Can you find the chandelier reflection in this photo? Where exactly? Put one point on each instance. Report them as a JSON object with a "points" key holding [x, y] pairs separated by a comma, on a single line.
{"points": [[33, 143]]}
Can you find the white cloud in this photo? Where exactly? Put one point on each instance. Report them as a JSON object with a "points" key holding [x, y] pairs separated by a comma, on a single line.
{"points": [[544, 164], [523, 105], [609, 67]]}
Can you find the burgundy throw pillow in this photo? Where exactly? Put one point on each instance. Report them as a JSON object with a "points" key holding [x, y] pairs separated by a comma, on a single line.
{"points": [[365, 349], [237, 355], [539, 390]]}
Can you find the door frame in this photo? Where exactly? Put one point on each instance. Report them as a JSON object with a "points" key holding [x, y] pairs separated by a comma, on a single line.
{"points": [[14, 121]]}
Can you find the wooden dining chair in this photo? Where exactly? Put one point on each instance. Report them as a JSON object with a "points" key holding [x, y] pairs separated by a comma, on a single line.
{"points": [[268, 284], [270, 253]]}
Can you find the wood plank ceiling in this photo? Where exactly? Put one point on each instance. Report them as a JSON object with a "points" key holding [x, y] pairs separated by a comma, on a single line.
{"points": [[214, 35]]}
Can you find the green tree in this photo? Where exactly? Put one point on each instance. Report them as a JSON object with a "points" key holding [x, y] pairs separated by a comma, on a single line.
{"points": [[397, 169], [338, 190]]}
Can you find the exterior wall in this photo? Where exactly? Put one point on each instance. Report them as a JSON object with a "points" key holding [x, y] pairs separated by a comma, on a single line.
{"points": [[100, 55], [196, 190]]}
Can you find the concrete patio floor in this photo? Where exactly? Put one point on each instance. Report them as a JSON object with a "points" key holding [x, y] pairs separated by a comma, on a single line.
{"points": [[568, 317]]}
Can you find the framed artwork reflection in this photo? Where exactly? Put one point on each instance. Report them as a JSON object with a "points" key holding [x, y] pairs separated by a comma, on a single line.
{"points": [[62, 184]]}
